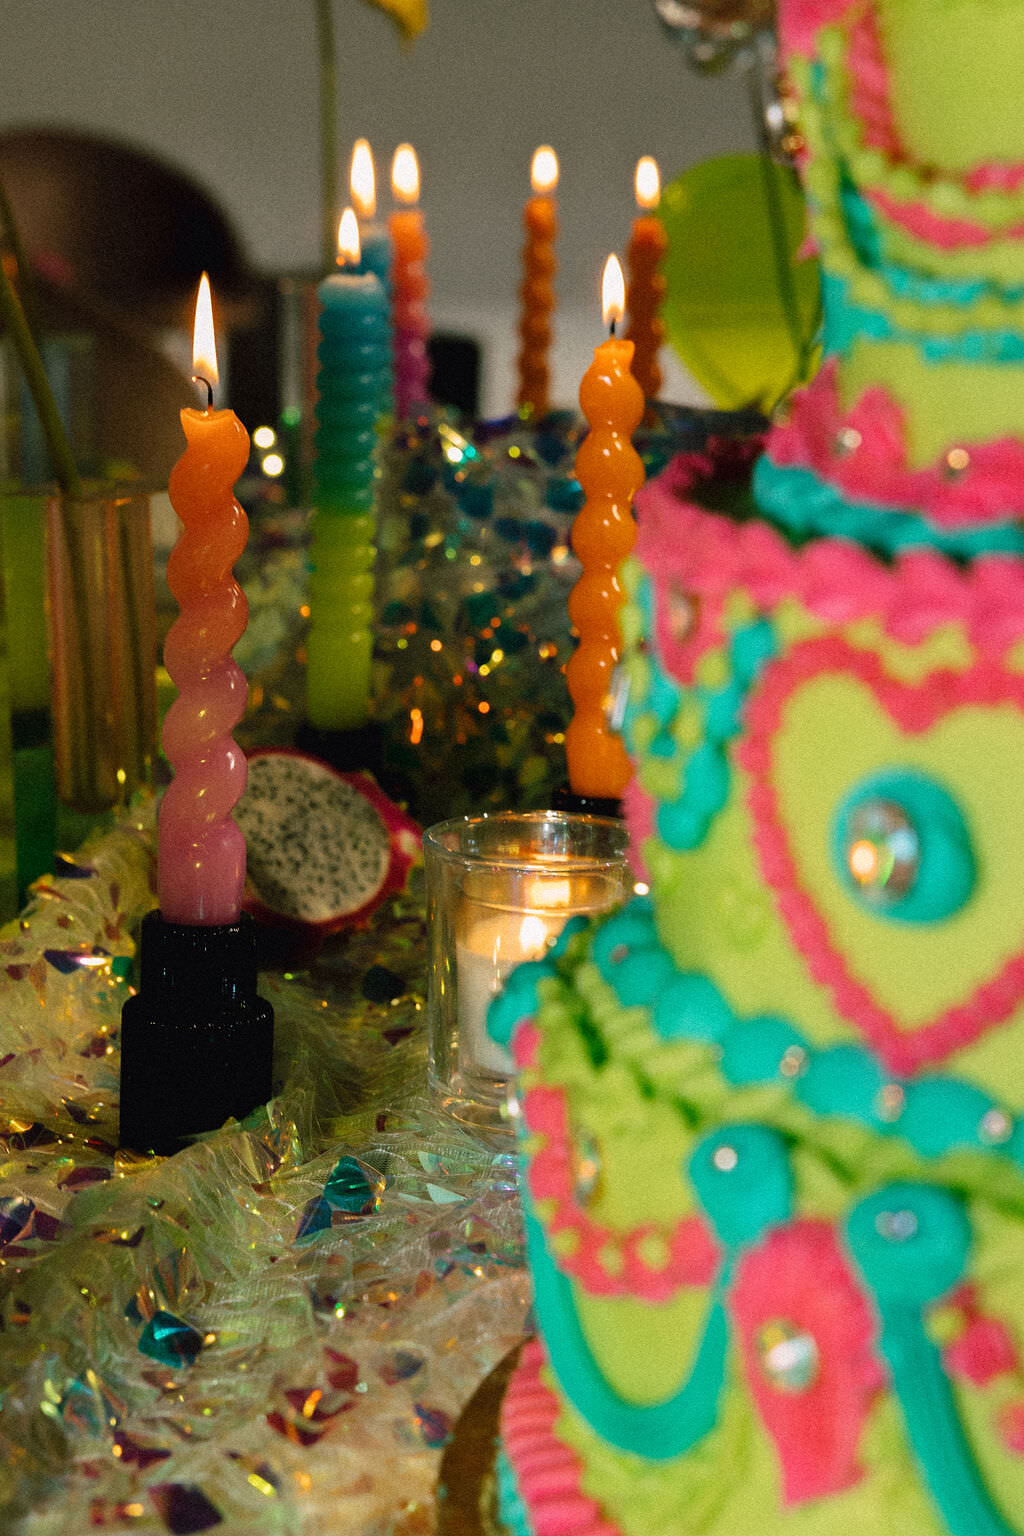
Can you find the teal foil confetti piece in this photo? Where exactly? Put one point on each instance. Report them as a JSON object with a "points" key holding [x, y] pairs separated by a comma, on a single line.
{"points": [[434, 1425], [349, 1190], [184, 1508], [401, 1366], [316, 1218], [167, 1339]]}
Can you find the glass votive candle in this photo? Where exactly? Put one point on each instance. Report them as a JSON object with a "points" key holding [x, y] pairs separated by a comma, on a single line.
{"points": [[500, 889]]}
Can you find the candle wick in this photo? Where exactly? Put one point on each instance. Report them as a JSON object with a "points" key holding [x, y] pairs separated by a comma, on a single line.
{"points": [[197, 378], [611, 326]]}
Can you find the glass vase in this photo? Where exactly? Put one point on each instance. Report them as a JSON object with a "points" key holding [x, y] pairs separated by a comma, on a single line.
{"points": [[23, 517], [103, 641]]}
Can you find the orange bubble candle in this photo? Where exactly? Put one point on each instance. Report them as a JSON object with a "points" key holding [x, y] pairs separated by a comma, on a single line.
{"points": [[409, 285], [611, 472], [537, 293], [645, 293], [201, 851]]}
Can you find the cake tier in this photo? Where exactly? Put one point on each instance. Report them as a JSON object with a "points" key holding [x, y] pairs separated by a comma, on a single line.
{"points": [[922, 250]]}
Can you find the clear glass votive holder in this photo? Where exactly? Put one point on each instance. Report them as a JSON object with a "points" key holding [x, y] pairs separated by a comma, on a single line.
{"points": [[500, 889]]}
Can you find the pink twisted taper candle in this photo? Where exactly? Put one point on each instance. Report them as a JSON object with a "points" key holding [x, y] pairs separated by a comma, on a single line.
{"points": [[201, 850]]}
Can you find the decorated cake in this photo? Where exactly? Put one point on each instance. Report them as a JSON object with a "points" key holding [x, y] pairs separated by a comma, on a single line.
{"points": [[771, 1113]]}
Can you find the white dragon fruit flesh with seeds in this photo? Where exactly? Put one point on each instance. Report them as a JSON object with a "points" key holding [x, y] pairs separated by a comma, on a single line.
{"points": [[323, 848]]}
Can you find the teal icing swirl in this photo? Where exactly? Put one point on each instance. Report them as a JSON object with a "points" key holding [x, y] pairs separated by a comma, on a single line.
{"points": [[806, 506], [703, 771], [935, 1114], [512, 1512], [846, 321], [655, 1431], [911, 1243]]}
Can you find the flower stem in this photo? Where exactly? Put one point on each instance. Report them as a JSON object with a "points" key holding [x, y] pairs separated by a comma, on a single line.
{"points": [[13, 316], [330, 209]]}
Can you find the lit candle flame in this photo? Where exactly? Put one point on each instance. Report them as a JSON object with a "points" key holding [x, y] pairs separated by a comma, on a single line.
{"points": [[647, 183], [204, 344], [613, 292], [405, 174], [348, 240], [544, 169], [533, 934], [362, 181]]}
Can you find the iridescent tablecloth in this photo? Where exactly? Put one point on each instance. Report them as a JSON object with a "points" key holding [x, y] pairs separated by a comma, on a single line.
{"points": [[275, 1330]]}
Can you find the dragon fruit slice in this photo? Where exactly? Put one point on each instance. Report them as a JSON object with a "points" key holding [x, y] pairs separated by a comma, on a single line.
{"points": [[323, 848]]}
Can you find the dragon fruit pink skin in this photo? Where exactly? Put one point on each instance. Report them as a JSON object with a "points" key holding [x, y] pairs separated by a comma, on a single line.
{"points": [[324, 848]]}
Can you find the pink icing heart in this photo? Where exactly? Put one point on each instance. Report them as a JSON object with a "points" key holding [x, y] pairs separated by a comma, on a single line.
{"points": [[914, 710]]}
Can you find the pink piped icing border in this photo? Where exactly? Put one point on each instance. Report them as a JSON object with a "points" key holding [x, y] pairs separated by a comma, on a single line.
{"points": [[835, 579], [869, 86], [942, 230], [692, 1254], [989, 490], [914, 710], [548, 1473]]}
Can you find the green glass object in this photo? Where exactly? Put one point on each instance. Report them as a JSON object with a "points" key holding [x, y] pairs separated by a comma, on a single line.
{"points": [[23, 540], [102, 611]]}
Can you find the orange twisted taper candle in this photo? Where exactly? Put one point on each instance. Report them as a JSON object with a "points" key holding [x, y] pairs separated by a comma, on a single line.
{"points": [[537, 292], [201, 850], [611, 472], [646, 292]]}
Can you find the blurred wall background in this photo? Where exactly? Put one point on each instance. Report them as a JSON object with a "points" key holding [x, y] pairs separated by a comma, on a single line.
{"points": [[226, 91]]}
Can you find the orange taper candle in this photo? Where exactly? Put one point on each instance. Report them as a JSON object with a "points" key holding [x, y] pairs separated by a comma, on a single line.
{"points": [[540, 216], [611, 472], [200, 849], [646, 292], [409, 285]]}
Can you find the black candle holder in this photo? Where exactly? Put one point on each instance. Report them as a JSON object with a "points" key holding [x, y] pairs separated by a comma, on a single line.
{"points": [[586, 805], [197, 1040]]}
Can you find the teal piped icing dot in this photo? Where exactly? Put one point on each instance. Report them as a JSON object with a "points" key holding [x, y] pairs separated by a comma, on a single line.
{"points": [[690, 1007], [750, 647], [707, 780], [755, 1050], [573, 926], [630, 928], [680, 826], [924, 862], [939, 1114], [843, 1080], [911, 1242], [742, 1178], [722, 712], [640, 975], [663, 696], [517, 1000], [662, 745]]}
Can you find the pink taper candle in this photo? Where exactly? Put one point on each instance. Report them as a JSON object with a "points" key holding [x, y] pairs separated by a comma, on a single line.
{"points": [[200, 849], [409, 285]]}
